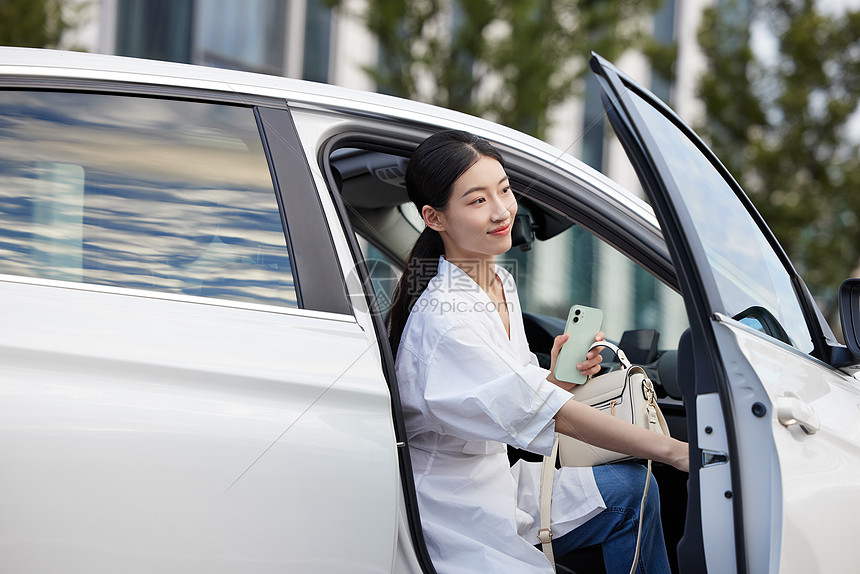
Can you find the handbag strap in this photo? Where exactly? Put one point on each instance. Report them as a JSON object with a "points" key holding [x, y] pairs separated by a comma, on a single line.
{"points": [[622, 357], [547, 474], [655, 419], [545, 531], [641, 512]]}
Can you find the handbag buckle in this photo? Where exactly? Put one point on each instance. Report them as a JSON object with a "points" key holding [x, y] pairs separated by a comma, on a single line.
{"points": [[648, 390], [545, 535]]}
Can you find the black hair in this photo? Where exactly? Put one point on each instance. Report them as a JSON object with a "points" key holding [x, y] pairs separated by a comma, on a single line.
{"points": [[434, 167]]}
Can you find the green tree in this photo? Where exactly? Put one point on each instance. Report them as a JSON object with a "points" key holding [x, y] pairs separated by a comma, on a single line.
{"points": [[32, 23], [507, 60], [780, 124]]}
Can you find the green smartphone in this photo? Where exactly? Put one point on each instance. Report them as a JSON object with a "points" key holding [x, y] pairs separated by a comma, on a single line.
{"points": [[583, 324]]}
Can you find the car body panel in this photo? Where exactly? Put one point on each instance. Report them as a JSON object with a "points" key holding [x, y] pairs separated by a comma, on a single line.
{"points": [[139, 434], [146, 431], [150, 431]]}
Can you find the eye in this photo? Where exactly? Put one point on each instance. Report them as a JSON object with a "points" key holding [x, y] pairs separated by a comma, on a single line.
{"points": [[507, 189], [479, 200]]}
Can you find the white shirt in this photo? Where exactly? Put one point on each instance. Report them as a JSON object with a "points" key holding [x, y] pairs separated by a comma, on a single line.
{"points": [[468, 390]]}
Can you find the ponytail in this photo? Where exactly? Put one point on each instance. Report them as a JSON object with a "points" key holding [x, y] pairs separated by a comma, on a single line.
{"points": [[421, 266], [433, 168]]}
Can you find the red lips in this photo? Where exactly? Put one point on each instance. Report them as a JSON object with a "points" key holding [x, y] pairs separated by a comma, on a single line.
{"points": [[500, 230]]}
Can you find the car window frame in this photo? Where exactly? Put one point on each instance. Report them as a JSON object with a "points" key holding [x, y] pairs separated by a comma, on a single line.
{"points": [[320, 284], [404, 142], [700, 348], [642, 243], [820, 333]]}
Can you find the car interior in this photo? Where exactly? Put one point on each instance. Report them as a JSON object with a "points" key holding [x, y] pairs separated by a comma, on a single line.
{"points": [[370, 183]]}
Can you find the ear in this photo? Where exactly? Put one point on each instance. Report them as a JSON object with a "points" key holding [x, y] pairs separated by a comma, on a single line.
{"points": [[433, 218]]}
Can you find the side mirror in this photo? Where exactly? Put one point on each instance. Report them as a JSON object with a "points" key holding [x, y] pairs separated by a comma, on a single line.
{"points": [[849, 313], [523, 231]]}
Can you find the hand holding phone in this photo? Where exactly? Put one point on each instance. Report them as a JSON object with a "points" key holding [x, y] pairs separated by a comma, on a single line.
{"points": [[583, 324]]}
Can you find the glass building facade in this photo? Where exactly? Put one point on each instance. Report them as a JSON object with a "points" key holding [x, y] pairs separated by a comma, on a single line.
{"points": [[251, 35]]}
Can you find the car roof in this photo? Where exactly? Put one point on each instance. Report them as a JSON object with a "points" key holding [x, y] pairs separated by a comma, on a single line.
{"points": [[60, 64]]}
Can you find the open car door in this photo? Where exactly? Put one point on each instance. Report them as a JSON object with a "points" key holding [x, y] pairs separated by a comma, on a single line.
{"points": [[774, 429]]}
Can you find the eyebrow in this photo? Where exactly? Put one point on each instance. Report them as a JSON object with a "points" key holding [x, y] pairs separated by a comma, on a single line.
{"points": [[481, 187]]}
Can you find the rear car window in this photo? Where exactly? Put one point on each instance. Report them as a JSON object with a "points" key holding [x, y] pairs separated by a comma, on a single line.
{"points": [[162, 195]]}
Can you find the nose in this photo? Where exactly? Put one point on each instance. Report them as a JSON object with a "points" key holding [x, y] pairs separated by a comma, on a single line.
{"points": [[505, 207]]}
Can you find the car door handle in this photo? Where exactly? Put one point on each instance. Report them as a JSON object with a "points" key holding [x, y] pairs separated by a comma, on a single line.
{"points": [[793, 411]]}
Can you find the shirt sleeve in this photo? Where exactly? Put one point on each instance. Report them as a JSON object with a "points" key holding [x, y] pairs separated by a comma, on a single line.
{"points": [[476, 392]]}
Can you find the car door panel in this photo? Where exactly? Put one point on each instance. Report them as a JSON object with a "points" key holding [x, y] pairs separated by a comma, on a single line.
{"points": [[758, 462], [729, 264], [154, 434], [183, 386], [817, 470]]}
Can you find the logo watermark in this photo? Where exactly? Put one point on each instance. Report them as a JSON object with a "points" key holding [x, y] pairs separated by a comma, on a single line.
{"points": [[442, 306], [380, 276]]}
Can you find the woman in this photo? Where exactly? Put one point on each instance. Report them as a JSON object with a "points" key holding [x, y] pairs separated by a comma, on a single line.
{"points": [[470, 386]]}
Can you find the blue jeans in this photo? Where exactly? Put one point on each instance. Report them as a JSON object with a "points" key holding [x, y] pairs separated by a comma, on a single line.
{"points": [[615, 528]]}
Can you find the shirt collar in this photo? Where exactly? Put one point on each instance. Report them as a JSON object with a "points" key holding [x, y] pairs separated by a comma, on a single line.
{"points": [[457, 280]]}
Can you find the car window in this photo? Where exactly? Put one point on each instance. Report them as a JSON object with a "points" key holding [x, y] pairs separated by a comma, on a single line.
{"points": [[749, 275], [384, 274], [575, 267], [164, 195]]}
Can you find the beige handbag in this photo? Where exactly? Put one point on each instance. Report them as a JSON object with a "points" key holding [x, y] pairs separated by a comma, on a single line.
{"points": [[627, 394]]}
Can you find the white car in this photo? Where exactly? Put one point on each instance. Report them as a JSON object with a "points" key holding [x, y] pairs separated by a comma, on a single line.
{"points": [[195, 267]]}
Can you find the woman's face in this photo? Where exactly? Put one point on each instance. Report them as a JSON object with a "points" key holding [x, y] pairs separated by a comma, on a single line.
{"points": [[477, 221]]}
